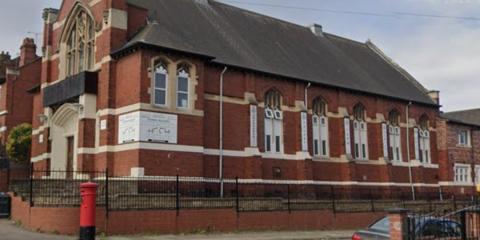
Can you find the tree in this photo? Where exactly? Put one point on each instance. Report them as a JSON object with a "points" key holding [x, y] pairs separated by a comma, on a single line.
{"points": [[19, 143]]}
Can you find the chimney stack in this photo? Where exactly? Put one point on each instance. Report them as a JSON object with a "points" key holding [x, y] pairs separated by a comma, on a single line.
{"points": [[28, 51], [317, 29], [435, 96]]}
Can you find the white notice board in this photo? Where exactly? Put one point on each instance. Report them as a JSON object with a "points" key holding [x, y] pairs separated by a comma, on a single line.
{"points": [[147, 127]]}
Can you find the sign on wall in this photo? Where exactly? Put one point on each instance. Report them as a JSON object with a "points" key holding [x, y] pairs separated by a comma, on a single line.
{"points": [[147, 127], [303, 116], [253, 125]]}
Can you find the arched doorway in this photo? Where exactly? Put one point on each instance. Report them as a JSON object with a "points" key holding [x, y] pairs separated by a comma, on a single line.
{"points": [[64, 137]]}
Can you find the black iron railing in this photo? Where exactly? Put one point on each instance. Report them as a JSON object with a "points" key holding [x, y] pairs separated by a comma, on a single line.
{"points": [[62, 188]]}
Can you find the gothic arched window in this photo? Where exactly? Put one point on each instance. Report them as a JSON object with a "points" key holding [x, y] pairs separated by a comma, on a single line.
{"points": [[394, 139], [320, 128], [423, 137], [160, 84], [80, 44], [360, 132], [273, 122], [183, 78]]}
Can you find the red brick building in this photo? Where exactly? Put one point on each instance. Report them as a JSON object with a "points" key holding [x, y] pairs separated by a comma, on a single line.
{"points": [[17, 77], [130, 86], [459, 150]]}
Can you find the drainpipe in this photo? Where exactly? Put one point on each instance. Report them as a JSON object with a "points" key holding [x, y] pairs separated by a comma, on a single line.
{"points": [[306, 95], [220, 163], [408, 151]]}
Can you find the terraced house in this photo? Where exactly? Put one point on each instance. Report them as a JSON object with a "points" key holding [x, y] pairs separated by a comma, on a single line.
{"points": [[459, 150], [166, 87]]}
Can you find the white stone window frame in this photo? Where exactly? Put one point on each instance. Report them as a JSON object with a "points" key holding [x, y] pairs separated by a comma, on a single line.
{"points": [[360, 133], [273, 129], [182, 72], [395, 142], [154, 85], [320, 135], [424, 146], [464, 138], [462, 173]]}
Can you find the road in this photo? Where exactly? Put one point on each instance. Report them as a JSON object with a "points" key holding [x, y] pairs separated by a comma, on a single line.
{"points": [[9, 231]]}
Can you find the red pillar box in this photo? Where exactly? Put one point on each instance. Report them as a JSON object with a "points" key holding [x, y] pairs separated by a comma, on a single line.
{"points": [[88, 192]]}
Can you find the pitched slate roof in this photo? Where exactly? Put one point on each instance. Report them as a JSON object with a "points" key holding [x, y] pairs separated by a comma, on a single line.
{"points": [[468, 117], [240, 38]]}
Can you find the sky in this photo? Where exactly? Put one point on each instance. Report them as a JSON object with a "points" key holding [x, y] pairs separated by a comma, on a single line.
{"points": [[437, 41]]}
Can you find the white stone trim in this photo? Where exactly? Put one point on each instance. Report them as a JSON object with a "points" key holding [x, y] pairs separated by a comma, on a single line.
{"points": [[40, 157], [3, 129], [2, 113], [455, 184], [39, 130], [284, 182], [145, 107], [58, 24]]}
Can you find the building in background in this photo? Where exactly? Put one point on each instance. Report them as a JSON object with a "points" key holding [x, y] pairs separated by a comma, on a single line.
{"points": [[459, 150], [17, 77]]}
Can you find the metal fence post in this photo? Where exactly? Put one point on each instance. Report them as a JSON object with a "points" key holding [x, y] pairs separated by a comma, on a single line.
{"points": [[31, 185], [237, 198], [372, 204], [288, 198], [463, 223], [177, 195], [454, 203], [332, 190], [107, 200]]}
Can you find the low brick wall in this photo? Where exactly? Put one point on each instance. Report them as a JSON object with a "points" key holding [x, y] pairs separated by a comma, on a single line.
{"points": [[66, 220]]}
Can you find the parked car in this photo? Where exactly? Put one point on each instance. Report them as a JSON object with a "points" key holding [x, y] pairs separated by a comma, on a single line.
{"points": [[425, 228]]}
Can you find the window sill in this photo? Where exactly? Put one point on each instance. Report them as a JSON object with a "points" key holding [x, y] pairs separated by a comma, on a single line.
{"points": [[463, 146]]}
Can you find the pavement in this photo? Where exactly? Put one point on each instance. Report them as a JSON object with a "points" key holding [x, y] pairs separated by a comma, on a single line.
{"points": [[10, 231]]}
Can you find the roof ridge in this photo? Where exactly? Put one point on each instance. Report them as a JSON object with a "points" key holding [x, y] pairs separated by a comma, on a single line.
{"points": [[344, 39], [464, 110]]}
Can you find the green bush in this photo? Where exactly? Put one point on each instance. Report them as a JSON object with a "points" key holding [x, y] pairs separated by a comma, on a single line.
{"points": [[19, 142]]}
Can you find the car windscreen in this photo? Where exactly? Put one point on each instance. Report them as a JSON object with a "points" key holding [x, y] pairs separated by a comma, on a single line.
{"points": [[382, 225]]}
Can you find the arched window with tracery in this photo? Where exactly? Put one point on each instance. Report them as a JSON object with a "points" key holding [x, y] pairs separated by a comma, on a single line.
{"points": [[423, 135], [273, 122], [394, 133], [360, 133], [80, 43], [183, 79], [320, 128], [160, 84]]}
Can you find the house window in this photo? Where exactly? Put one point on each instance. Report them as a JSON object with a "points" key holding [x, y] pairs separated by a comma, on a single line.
{"points": [[462, 173], [183, 77], [360, 133], [273, 122], [160, 85], [424, 140], [464, 138], [320, 129], [80, 44], [394, 139]]}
